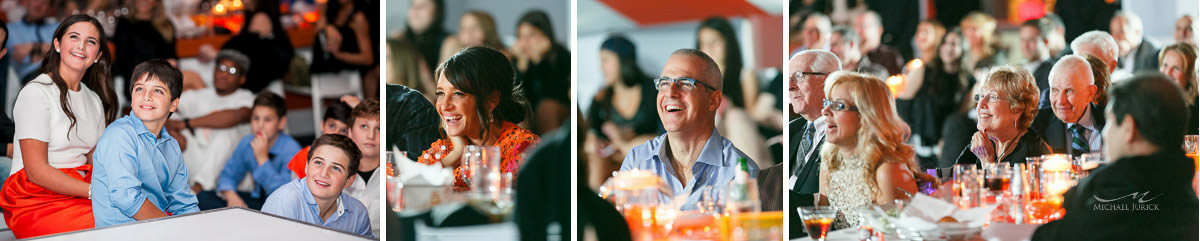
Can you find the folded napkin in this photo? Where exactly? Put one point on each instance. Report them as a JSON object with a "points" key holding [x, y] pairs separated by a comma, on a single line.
{"points": [[412, 173], [923, 213]]}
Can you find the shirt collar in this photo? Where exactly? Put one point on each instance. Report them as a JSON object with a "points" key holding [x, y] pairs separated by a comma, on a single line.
{"points": [[139, 127], [308, 199], [710, 154], [820, 124], [1086, 120]]}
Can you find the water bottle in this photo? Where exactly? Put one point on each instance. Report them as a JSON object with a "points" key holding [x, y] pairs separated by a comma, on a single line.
{"points": [[743, 191]]}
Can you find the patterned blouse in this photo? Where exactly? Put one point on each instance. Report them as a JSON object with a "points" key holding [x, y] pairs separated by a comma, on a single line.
{"points": [[513, 143]]}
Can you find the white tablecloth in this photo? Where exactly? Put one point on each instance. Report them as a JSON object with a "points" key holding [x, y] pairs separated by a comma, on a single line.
{"points": [[994, 232], [220, 224]]}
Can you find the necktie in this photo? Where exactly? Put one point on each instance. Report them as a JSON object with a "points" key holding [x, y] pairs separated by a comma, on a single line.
{"points": [[1079, 142], [806, 141]]}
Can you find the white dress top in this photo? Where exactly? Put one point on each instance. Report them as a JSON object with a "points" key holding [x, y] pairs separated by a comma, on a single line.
{"points": [[38, 115]]}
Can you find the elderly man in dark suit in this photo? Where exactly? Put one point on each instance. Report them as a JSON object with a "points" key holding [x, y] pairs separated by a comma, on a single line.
{"points": [[1072, 123], [1143, 193], [807, 72], [1137, 53]]}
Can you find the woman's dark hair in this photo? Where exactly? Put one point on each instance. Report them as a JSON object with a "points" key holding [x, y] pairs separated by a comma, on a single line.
{"points": [[343, 143], [271, 9], [332, 7], [439, 19], [482, 72], [97, 77], [626, 52], [541, 21], [731, 75]]}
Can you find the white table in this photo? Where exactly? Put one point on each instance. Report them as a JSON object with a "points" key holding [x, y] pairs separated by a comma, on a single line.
{"points": [[994, 232], [218, 224]]}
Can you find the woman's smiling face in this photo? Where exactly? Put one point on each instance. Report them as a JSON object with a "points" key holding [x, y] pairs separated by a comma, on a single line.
{"points": [[457, 108], [79, 47]]}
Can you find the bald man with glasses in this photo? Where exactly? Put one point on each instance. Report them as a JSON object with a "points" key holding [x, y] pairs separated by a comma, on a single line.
{"points": [[691, 155]]}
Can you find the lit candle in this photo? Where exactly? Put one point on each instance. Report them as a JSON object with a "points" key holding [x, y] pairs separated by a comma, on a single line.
{"points": [[895, 83]]}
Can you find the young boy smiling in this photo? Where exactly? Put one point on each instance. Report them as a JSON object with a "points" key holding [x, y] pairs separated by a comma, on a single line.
{"points": [[128, 182], [317, 198]]}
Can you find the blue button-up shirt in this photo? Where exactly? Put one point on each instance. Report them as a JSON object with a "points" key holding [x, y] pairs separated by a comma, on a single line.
{"points": [[268, 176], [131, 166], [715, 167], [295, 201]]}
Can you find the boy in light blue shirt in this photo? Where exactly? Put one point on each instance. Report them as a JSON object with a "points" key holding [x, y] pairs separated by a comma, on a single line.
{"points": [[139, 171], [317, 198], [264, 154]]}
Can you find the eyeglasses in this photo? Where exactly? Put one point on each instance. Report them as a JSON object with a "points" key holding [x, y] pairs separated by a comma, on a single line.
{"points": [[684, 83], [989, 98], [800, 76], [838, 105], [227, 69]]}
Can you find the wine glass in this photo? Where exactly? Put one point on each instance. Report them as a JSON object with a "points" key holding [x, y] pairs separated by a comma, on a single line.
{"points": [[818, 220]]}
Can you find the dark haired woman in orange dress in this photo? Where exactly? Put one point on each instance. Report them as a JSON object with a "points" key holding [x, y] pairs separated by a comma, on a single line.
{"points": [[480, 103]]}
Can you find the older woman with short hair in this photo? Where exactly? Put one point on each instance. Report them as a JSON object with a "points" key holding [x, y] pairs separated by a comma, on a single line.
{"points": [[1006, 103], [865, 159]]}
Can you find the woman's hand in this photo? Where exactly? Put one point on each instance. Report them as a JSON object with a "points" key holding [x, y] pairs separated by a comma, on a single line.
{"points": [[333, 39], [983, 147], [454, 158]]}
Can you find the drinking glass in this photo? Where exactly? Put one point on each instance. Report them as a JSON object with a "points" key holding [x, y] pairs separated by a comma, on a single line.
{"points": [[1191, 146], [491, 187], [818, 220]]}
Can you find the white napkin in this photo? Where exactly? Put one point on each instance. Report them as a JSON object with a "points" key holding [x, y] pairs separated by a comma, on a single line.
{"points": [[923, 213], [412, 173]]}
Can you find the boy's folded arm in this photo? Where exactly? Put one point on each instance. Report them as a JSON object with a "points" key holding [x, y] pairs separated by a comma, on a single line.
{"points": [[273, 174], [147, 210], [222, 118]]}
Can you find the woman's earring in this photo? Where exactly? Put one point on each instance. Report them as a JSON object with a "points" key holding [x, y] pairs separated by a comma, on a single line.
{"points": [[96, 61], [56, 50]]}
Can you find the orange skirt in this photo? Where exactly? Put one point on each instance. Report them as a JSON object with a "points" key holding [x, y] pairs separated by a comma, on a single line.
{"points": [[31, 211]]}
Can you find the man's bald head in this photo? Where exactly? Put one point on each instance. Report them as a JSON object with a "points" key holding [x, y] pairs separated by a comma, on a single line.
{"points": [[712, 73], [1097, 43]]}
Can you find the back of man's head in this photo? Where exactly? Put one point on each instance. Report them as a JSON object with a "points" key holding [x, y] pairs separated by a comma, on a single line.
{"points": [[1157, 106]]}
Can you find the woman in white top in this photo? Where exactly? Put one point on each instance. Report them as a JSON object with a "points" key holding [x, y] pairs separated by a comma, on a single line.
{"points": [[865, 160], [59, 117]]}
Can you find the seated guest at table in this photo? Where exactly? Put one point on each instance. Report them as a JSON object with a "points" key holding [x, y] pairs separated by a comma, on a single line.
{"points": [[544, 67], [622, 115], [480, 102], [317, 198], [870, 29], [1072, 124], [1177, 61], [1007, 104], [144, 34], [59, 117], [805, 85], [412, 121], [1137, 52], [864, 159], [691, 155], [1101, 80], [1100, 44], [336, 121], [845, 43], [210, 121], [716, 38], [364, 130], [266, 43], [978, 30], [475, 28], [1034, 46], [139, 170], [1184, 30], [1144, 147], [264, 155]]}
